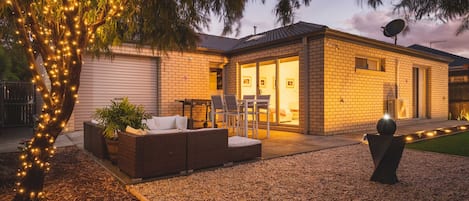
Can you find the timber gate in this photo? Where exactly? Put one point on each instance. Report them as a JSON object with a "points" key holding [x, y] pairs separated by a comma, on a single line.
{"points": [[17, 104]]}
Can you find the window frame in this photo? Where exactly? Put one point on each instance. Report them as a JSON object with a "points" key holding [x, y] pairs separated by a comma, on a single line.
{"points": [[380, 63]]}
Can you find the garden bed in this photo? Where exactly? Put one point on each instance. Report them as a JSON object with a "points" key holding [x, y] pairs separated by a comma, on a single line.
{"points": [[74, 176]]}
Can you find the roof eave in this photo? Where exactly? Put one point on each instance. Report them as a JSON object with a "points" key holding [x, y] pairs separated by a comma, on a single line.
{"points": [[354, 38], [204, 49], [270, 43], [386, 46]]}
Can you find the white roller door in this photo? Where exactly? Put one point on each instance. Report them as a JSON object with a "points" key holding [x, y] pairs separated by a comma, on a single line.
{"points": [[104, 79]]}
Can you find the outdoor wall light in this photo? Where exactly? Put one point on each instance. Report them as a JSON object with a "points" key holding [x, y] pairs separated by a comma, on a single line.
{"points": [[447, 130], [462, 127]]}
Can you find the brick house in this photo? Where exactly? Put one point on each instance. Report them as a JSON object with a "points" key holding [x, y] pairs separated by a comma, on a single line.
{"points": [[321, 81]]}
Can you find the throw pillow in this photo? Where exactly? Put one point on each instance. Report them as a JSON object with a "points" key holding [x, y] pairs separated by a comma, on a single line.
{"points": [[131, 130]]}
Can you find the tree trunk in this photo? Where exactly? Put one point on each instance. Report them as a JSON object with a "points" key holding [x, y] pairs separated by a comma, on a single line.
{"points": [[34, 163], [35, 158]]}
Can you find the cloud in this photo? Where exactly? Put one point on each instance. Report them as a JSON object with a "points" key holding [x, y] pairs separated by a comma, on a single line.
{"points": [[440, 35]]}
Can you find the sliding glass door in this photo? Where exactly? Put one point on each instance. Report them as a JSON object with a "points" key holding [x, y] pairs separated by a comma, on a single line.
{"points": [[288, 91], [279, 79]]}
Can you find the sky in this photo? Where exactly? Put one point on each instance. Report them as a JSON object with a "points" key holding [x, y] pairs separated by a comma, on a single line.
{"points": [[348, 16]]}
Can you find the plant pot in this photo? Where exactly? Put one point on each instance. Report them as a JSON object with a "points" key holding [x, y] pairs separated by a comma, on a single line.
{"points": [[112, 149]]}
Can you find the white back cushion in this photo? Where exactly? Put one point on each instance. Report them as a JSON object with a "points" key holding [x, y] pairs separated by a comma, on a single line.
{"points": [[164, 123], [181, 123], [150, 124]]}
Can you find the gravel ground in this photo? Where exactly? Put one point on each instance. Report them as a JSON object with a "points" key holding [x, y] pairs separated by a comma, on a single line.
{"points": [[73, 176], [334, 174]]}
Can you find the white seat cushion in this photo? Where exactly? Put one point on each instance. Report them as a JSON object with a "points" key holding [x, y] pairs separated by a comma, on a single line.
{"points": [[237, 141], [168, 131], [202, 129]]}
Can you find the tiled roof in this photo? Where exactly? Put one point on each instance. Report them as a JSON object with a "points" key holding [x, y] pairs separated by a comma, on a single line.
{"points": [[225, 44], [287, 32], [217, 43], [458, 60]]}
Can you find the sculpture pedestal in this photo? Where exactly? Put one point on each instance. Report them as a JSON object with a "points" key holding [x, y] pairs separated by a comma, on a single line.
{"points": [[386, 151]]}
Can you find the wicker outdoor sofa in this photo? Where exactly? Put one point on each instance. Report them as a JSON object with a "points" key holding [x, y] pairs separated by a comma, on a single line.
{"points": [[153, 155], [94, 140]]}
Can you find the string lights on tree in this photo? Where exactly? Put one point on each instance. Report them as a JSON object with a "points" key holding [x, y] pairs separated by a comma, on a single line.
{"points": [[57, 31]]}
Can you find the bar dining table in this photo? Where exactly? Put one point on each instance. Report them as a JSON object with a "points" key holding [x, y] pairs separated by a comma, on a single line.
{"points": [[245, 103]]}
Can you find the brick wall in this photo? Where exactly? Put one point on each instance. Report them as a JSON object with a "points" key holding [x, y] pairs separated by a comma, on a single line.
{"points": [[185, 76], [355, 99], [181, 75], [316, 82], [341, 98]]}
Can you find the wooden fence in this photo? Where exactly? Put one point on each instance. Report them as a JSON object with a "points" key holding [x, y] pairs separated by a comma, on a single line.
{"points": [[458, 99], [17, 104]]}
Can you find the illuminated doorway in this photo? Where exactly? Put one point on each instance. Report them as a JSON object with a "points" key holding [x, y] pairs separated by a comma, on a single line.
{"points": [[419, 92], [279, 79]]}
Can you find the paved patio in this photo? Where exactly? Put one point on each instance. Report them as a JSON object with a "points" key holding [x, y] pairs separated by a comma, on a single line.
{"points": [[283, 143], [279, 144]]}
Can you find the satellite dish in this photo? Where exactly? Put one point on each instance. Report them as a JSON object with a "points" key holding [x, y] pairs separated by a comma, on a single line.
{"points": [[393, 28]]}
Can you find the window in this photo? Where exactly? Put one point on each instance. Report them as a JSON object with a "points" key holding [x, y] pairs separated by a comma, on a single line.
{"points": [[216, 78], [369, 63]]}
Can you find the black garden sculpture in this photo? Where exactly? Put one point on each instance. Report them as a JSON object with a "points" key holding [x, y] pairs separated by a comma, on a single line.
{"points": [[386, 151]]}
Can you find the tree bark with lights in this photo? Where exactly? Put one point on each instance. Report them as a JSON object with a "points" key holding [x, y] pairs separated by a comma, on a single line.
{"points": [[59, 32]]}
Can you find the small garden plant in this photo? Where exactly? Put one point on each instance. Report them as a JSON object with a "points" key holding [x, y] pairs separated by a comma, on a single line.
{"points": [[119, 115]]}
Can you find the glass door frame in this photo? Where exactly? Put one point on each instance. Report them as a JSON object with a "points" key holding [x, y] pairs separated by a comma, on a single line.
{"points": [[257, 65]]}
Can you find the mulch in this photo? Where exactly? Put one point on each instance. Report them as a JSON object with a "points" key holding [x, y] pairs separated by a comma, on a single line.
{"points": [[74, 176]]}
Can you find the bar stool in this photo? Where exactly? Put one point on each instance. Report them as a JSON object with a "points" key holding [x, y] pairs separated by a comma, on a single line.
{"points": [[217, 108], [265, 107], [232, 112], [251, 111]]}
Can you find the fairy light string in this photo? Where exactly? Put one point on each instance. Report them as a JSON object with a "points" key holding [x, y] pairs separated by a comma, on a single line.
{"points": [[58, 31]]}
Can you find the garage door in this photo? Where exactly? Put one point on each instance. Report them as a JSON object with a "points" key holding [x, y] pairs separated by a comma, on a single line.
{"points": [[124, 76]]}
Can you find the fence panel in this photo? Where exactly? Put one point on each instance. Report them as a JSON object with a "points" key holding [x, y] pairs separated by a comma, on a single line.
{"points": [[17, 103]]}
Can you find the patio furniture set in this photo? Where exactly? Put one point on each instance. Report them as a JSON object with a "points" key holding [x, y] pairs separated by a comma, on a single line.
{"points": [[168, 148], [237, 113]]}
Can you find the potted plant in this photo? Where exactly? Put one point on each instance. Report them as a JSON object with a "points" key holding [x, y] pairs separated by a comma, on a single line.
{"points": [[115, 118]]}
